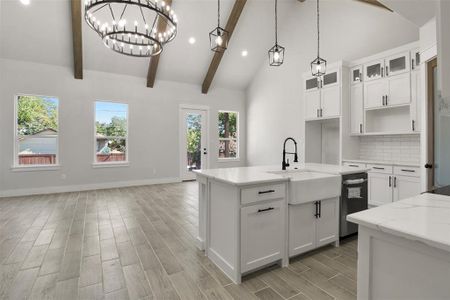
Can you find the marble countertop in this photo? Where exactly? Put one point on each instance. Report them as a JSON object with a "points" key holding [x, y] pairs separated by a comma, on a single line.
{"points": [[261, 174], [424, 218], [382, 162]]}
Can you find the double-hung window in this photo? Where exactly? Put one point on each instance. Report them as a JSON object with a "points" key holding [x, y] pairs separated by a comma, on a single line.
{"points": [[111, 132], [228, 135], [36, 131]]}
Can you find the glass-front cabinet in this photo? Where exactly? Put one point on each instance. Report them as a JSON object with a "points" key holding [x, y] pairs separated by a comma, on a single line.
{"points": [[311, 84], [330, 79], [374, 70], [356, 74], [397, 64]]}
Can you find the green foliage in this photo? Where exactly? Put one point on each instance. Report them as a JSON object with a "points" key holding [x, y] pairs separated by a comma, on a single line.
{"points": [[227, 125], [116, 128], [35, 114]]}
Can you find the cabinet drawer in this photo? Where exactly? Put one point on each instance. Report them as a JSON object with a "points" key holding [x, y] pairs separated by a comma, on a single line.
{"points": [[407, 171], [354, 165], [262, 193], [380, 168]]}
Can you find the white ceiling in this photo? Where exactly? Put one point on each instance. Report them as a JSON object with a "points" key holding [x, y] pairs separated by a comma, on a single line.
{"points": [[417, 11], [41, 32]]}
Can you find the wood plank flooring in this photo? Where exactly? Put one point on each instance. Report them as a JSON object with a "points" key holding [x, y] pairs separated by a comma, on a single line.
{"points": [[138, 243]]}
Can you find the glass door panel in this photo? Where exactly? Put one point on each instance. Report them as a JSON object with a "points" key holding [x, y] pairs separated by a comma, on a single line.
{"points": [[397, 64], [330, 78], [356, 74], [374, 70], [312, 83]]}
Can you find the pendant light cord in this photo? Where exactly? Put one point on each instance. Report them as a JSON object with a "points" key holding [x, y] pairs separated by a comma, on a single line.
{"points": [[276, 22], [318, 30], [218, 13]]}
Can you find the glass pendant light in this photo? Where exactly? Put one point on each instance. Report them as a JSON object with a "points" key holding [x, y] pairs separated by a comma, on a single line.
{"points": [[276, 53], [319, 65], [218, 38]]}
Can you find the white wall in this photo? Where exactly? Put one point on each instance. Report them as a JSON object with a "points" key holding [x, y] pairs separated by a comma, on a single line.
{"points": [[443, 43], [153, 126], [350, 30]]}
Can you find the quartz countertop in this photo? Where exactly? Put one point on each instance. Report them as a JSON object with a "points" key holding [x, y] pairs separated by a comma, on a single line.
{"points": [[382, 162], [262, 174], [424, 218]]}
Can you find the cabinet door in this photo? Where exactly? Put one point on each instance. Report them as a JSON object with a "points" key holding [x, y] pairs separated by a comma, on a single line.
{"points": [[331, 101], [356, 108], [374, 70], [262, 234], [374, 92], [312, 104], [397, 64], [380, 188], [415, 59], [356, 75], [405, 187], [415, 97], [327, 225], [302, 228], [330, 79], [311, 83], [399, 89]]}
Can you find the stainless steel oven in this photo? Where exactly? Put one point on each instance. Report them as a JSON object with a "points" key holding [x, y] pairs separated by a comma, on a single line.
{"points": [[354, 198]]}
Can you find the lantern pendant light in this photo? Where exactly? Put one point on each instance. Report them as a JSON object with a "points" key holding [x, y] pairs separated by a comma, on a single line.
{"points": [[276, 53], [218, 38], [319, 65]]}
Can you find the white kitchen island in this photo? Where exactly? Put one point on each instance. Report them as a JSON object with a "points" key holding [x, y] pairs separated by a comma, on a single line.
{"points": [[404, 249], [244, 218]]}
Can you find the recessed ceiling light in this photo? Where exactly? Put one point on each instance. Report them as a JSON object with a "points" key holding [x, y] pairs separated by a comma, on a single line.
{"points": [[25, 2], [244, 53], [192, 40]]}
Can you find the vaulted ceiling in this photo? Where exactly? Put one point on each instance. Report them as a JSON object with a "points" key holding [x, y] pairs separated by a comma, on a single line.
{"points": [[42, 32]]}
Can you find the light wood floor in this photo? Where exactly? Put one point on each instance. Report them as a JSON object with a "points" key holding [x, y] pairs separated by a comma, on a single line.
{"points": [[138, 243]]}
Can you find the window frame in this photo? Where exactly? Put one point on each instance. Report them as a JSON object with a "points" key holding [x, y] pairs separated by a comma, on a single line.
{"points": [[109, 164], [38, 167], [238, 137]]}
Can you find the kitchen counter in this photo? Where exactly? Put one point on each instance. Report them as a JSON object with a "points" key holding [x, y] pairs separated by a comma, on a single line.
{"points": [[262, 174], [383, 162], [404, 249]]}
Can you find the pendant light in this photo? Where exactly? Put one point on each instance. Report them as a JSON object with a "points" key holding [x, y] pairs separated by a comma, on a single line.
{"points": [[276, 53], [319, 65], [218, 38]]}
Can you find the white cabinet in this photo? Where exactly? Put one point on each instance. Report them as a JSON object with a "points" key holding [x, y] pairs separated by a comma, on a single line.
{"points": [[405, 187], [374, 93], [356, 108], [380, 188], [312, 225], [398, 90], [415, 103], [312, 104], [262, 234], [415, 59], [397, 64], [330, 102], [374, 70], [356, 74]]}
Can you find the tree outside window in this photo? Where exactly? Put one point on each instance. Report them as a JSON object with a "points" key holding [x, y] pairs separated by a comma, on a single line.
{"points": [[228, 135]]}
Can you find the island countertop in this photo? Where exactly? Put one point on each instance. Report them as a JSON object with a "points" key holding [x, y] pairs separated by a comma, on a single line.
{"points": [[262, 174], [424, 218]]}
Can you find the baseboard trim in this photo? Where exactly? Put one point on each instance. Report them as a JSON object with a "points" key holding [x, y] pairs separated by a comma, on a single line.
{"points": [[85, 187]]}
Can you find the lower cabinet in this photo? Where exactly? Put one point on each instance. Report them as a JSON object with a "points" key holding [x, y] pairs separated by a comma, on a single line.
{"points": [[262, 234], [380, 188], [405, 187], [312, 225]]}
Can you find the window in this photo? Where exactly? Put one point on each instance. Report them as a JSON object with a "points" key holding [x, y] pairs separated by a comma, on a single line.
{"points": [[111, 132], [228, 135], [36, 131]]}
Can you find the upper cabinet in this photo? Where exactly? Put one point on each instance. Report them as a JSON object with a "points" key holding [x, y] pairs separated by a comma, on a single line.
{"points": [[415, 59], [330, 79], [374, 70], [397, 64], [356, 74], [312, 84]]}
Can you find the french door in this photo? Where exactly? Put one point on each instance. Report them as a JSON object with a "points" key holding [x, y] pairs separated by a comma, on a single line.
{"points": [[193, 141]]}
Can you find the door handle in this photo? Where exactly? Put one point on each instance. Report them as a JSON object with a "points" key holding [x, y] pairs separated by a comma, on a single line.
{"points": [[360, 128], [413, 124], [395, 181], [387, 71], [265, 209], [317, 209], [428, 166], [390, 181], [320, 208], [382, 72], [317, 113], [383, 103], [412, 64], [266, 192]]}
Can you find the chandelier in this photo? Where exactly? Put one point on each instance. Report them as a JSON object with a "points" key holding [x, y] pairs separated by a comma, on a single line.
{"points": [[218, 38], [318, 65], [138, 28], [276, 53]]}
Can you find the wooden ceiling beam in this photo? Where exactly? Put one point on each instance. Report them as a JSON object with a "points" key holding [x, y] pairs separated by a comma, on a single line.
{"points": [[154, 61], [77, 39], [231, 25], [376, 3]]}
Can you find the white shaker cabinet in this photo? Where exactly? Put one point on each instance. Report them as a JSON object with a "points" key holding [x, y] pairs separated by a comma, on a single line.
{"points": [[405, 187], [374, 93], [398, 90], [374, 70], [327, 231], [262, 234], [415, 103], [357, 108], [397, 64], [380, 188], [330, 102], [312, 104]]}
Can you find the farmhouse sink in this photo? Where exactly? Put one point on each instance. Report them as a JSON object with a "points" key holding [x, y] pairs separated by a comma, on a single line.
{"points": [[306, 186]]}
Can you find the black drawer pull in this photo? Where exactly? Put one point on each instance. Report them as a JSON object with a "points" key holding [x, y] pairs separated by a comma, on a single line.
{"points": [[265, 209], [355, 166], [410, 171], [266, 192], [377, 168]]}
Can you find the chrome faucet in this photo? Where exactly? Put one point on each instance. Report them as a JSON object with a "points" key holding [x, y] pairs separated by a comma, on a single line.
{"points": [[285, 163]]}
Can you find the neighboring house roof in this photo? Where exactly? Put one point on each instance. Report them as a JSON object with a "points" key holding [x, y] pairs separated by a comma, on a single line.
{"points": [[44, 132], [100, 136]]}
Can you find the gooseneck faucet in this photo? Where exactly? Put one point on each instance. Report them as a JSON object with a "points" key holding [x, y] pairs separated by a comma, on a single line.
{"points": [[285, 163]]}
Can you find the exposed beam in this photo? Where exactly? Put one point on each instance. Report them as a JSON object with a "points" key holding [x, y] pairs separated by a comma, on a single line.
{"points": [[77, 39], [376, 3], [161, 26], [231, 24]]}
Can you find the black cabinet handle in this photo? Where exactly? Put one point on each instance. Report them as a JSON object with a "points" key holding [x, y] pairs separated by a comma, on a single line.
{"points": [[320, 208], [390, 181], [387, 71], [266, 192], [360, 128], [413, 123], [395, 181], [387, 100], [377, 168], [410, 171], [412, 64], [355, 166], [265, 209], [317, 209]]}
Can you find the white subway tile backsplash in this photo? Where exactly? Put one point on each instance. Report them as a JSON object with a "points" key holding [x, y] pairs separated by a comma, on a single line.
{"points": [[401, 148]]}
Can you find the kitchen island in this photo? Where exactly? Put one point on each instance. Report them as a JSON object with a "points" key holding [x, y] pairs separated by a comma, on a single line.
{"points": [[404, 249], [244, 218]]}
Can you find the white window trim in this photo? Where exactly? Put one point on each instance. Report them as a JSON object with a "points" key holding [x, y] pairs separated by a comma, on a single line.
{"points": [[16, 166], [109, 164], [238, 138]]}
